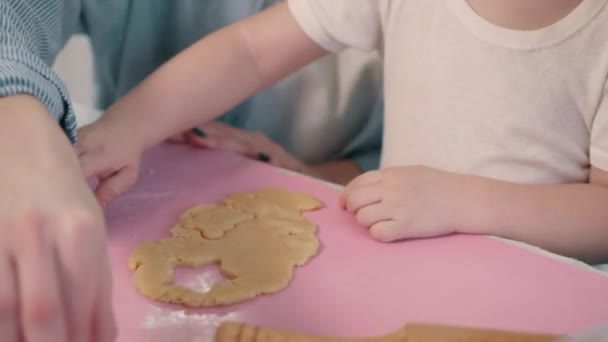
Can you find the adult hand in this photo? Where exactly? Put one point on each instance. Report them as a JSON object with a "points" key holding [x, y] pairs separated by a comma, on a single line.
{"points": [[254, 145], [55, 282], [257, 146]]}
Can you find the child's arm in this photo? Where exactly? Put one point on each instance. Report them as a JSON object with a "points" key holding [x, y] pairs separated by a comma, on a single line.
{"points": [[198, 85], [569, 219], [216, 74], [413, 202]]}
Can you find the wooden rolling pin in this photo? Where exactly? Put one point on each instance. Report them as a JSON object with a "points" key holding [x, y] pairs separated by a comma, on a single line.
{"points": [[238, 332]]}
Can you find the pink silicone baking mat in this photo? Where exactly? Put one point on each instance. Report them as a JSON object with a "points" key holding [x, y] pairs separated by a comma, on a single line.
{"points": [[355, 287]]}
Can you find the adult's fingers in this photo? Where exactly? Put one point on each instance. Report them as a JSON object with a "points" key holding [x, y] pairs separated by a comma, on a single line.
{"points": [[9, 319], [104, 326], [217, 128], [79, 253], [197, 141], [226, 143], [41, 308], [178, 138]]}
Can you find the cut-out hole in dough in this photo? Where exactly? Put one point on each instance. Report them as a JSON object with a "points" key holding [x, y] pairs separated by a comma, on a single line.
{"points": [[199, 279]]}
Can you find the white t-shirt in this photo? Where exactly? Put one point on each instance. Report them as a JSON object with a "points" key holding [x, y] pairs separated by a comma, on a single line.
{"points": [[467, 96]]}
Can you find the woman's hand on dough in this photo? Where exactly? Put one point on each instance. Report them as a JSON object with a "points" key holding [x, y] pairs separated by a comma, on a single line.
{"points": [[408, 202], [254, 145], [108, 152], [55, 282]]}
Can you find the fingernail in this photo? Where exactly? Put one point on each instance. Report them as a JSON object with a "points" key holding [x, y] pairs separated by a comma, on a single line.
{"points": [[198, 132], [263, 157]]}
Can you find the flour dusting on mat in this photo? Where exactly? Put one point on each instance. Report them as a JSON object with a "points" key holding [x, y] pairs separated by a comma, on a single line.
{"points": [[161, 325], [159, 318]]}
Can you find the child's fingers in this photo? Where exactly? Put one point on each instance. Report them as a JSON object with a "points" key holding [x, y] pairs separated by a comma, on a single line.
{"points": [[93, 165], [113, 186], [386, 231], [358, 197], [368, 178], [369, 215]]}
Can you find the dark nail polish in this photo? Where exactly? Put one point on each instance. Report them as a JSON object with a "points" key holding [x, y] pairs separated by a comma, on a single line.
{"points": [[198, 132], [263, 157]]}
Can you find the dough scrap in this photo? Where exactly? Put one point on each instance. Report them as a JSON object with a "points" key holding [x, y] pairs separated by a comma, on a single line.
{"points": [[212, 221], [275, 203], [256, 238], [289, 200]]}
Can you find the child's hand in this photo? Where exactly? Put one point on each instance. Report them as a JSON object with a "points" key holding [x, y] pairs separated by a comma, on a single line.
{"points": [[407, 202], [112, 155]]}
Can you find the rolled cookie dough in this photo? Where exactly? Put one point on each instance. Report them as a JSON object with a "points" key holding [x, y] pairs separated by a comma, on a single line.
{"points": [[256, 238]]}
